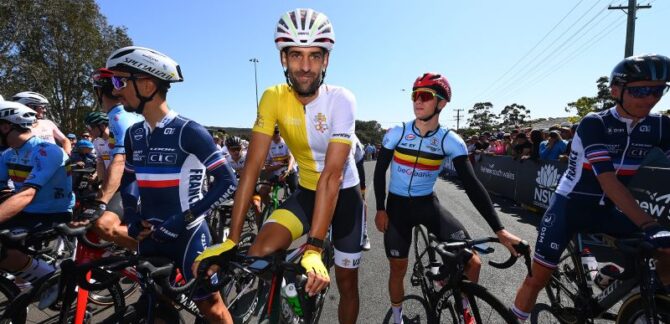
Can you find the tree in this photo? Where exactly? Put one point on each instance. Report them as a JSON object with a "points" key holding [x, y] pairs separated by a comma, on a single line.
{"points": [[602, 100], [482, 118], [369, 131], [514, 115], [52, 47]]}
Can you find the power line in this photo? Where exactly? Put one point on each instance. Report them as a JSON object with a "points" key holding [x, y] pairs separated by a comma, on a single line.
{"points": [[531, 50]]}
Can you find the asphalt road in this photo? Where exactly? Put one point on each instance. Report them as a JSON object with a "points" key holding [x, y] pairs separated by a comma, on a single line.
{"points": [[373, 273]]}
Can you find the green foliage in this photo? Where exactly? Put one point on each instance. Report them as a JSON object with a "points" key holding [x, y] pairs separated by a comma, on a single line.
{"points": [[369, 131], [52, 47], [514, 115], [481, 117], [602, 100]]}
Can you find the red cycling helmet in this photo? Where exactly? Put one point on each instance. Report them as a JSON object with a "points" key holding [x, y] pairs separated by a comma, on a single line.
{"points": [[436, 82]]}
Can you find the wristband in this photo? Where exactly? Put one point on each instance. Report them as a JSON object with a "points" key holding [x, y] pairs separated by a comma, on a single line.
{"points": [[315, 242]]}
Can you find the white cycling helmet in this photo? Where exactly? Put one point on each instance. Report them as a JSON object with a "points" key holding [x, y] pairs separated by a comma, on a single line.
{"points": [[17, 114], [30, 99], [145, 60], [305, 28]]}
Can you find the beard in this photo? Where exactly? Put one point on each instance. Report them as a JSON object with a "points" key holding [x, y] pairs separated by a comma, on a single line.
{"points": [[304, 90]]}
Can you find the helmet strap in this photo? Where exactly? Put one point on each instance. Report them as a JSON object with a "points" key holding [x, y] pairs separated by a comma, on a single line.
{"points": [[143, 100], [620, 102]]}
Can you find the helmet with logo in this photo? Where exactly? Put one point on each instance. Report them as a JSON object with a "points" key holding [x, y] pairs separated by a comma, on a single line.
{"points": [[31, 99], [648, 67], [233, 141], [18, 114], [435, 82], [96, 118], [85, 144], [305, 28], [135, 59]]}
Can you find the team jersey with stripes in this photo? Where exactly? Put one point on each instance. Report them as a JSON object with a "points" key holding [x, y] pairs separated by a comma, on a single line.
{"points": [[279, 154], [308, 129], [170, 164], [43, 166], [103, 148], [417, 159], [607, 142], [119, 121]]}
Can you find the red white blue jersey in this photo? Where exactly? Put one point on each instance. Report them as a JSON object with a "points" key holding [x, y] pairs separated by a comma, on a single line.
{"points": [[170, 164], [607, 142]]}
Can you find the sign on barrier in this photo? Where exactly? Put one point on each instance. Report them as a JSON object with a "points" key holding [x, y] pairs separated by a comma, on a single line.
{"points": [[497, 174]]}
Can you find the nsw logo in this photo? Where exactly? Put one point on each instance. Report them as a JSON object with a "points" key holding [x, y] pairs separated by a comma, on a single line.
{"points": [[547, 179]]}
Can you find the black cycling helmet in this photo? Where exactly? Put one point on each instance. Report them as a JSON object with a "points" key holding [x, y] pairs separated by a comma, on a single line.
{"points": [[648, 67], [233, 141], [96, 118]]}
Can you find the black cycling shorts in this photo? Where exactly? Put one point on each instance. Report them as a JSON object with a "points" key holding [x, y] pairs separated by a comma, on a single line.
{"points": [[404, 213], [346, 228]]}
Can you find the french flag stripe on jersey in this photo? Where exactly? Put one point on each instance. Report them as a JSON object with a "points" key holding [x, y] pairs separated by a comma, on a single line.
{"points": [[215, 164], [164, 180]]}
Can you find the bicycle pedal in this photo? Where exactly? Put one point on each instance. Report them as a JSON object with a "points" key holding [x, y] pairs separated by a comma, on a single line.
{"points": [[416, 281]]}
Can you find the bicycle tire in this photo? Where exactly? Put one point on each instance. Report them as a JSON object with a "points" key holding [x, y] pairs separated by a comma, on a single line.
{"points": [[484, 307], [8, 292], [114, 293], [632, 309], [101, 299], [422, 257], [543, 314]]}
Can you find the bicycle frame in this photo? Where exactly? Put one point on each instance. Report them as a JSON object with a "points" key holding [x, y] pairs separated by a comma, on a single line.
{"points": [[596, 306]]}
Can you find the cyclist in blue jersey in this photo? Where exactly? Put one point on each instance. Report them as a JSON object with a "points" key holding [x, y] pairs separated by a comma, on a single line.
{"points": [[116, 185], [415, 152], [42, 183], [607, 149], [170, 156]]}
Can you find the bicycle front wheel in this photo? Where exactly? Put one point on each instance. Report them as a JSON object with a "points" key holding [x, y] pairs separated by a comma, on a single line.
{"points": [[632, 310], [422, 259], [477, 306], [563, 288]]}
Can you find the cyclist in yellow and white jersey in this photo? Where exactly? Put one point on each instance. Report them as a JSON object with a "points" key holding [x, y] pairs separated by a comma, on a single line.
{"points": [[317, 123]]}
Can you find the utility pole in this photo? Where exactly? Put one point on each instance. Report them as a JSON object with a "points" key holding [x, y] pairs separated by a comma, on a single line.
{"points": [[631, 11], [255, 60], [458, 118]]}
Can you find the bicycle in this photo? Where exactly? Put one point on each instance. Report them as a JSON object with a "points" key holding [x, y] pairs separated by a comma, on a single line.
{"points": [[273, 273], [458, 300], [573, 299], [275, 199]]}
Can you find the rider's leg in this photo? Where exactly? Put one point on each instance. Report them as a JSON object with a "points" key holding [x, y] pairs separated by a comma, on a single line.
{"points": [[347, 285], [526, 296], [214, 310]]}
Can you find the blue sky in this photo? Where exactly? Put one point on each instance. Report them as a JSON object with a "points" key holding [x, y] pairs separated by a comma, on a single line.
{"points": [[500, 51]]}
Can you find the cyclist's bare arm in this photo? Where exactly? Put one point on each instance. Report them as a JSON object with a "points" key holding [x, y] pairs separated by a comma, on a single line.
{"points": [[100, 169], [16, 203], [256, 155], [622, 198], [328, 188], [112, 178], [63, 140]]}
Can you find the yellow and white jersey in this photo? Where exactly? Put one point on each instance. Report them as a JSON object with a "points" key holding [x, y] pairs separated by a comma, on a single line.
{"points": [[307, 130], [103, 148]]}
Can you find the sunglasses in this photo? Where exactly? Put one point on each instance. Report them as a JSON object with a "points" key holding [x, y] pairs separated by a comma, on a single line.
{"points": [[424, 95], [645, 91], [234, 149], [121, 82]]}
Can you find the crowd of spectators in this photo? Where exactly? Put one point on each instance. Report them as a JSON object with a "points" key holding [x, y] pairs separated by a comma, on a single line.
{"points": [[526, 143]]}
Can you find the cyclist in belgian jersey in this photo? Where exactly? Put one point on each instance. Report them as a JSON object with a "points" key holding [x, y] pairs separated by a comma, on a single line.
{"points": [[415, 153], [116, 185], [317, 123], [43, 128], [170, 156], [43, 188], [607, 149]]}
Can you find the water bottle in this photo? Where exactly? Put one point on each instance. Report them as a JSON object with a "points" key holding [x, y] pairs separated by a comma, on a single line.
{"points": [[590, 266], [291, 296], [435, 269], [607, 274]]}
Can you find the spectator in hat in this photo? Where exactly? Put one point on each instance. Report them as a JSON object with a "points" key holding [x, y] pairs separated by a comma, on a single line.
{"points": [[553, 147], [84, 157]]}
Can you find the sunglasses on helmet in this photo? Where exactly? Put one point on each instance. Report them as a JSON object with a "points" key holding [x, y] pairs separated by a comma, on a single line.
{"points": [[424, 95], [645, 91]]}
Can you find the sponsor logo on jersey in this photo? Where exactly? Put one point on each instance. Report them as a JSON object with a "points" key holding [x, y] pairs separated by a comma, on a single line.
{"points": [[548, 219], [433, 141], [168, 131], [162, 158], [194, 185], [572, 166], [645, 129], [410, 137], [138, 134], [414, 173]]}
